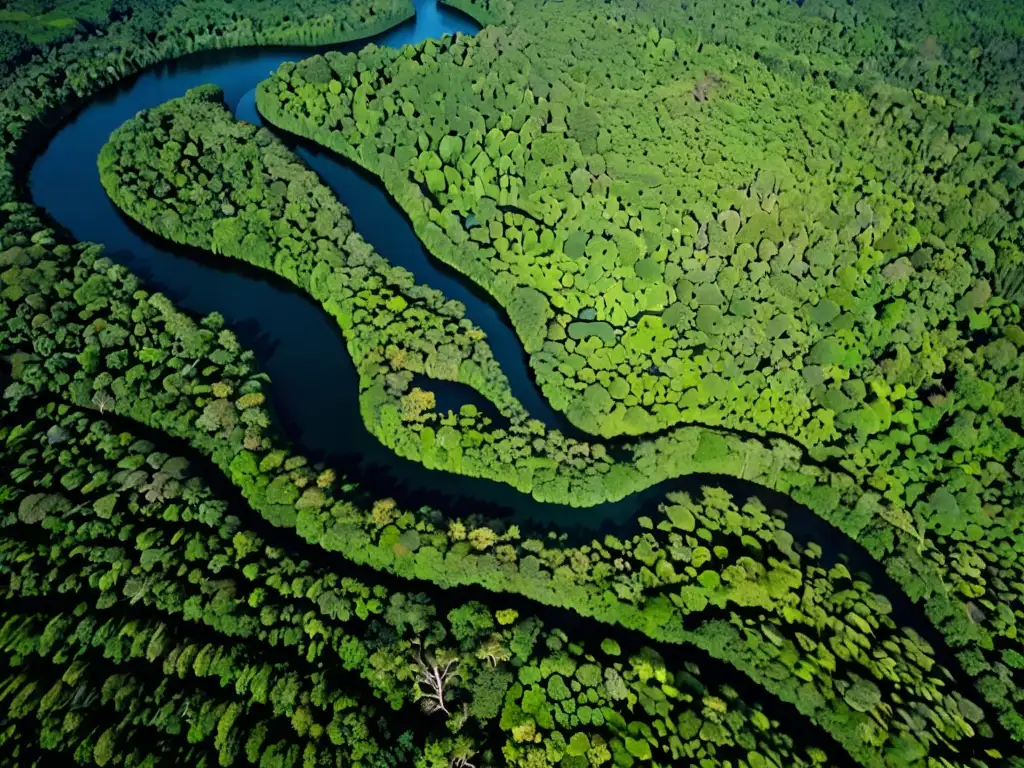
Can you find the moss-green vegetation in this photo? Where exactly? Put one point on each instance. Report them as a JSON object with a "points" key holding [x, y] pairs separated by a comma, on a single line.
{"points": [[844, 268], [51, 83], [31, 25], [716, 575], [812, 216], [145, 623], [831, 279], [678, 233], [163, 169]]}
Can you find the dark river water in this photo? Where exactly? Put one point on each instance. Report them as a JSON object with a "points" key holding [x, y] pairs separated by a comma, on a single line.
{"points": [[314, 385], [314, 390]]}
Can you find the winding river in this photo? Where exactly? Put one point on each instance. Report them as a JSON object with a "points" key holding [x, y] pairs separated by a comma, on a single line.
{"points": [[315, 388]]}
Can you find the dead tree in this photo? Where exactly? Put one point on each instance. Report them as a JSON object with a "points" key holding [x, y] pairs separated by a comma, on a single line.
{"points": [[432, 678], [103, 401]]}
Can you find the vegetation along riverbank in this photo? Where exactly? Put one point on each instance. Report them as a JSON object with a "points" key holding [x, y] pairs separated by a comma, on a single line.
{"points": [[776, 247]]}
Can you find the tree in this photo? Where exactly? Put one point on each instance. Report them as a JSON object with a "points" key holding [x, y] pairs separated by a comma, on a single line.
{"points": [[494, 650], [218, 416], [470, 621], [38, 506], [432, 678], [416, 403], [863, 695], [103, 401], [462, 751], [488, 691], [482, 538]]}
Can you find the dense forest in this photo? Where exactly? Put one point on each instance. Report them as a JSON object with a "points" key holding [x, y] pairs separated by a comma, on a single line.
{"points": [[776, 246]]}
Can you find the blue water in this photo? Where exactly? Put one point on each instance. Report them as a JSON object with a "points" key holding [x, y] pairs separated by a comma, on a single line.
{"points": [[314, 388], [385, 226]]}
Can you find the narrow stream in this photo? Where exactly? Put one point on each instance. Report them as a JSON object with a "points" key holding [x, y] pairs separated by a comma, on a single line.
{"points": [[385, 226]]}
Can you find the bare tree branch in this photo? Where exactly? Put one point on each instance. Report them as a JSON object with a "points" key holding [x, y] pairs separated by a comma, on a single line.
{"points": [[463, 749], [102, 400], [432, 679]]}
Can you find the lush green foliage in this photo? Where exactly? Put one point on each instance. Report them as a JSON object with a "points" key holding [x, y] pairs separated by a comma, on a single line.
{"points": [[844, 268], [843, 274], [27, 26], [672, 584], [163, 169], [126, 573], [52, 83], [684, 235]]}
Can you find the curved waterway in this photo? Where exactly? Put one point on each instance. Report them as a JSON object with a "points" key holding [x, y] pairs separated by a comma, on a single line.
{"points": [[314, 389]]}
